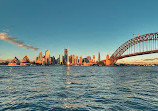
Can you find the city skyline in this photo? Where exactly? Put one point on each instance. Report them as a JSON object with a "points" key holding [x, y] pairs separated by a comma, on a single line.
{"points": [[84, 27], [73, 60], [47, 60]]}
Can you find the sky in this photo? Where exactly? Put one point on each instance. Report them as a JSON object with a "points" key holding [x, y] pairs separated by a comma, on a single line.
{"points": [[86, 27]]}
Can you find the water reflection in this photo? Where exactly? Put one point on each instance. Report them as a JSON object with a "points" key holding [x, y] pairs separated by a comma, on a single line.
{"points": [[78, 88], [69, 102]]}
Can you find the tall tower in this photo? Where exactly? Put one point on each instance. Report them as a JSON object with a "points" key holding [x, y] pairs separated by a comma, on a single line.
{"points": [[47, 56], [61, 59], [40, 57], [93, 58], [76, 59], [43, 61], [66, 56], [98, 56], [80, 60], [73, 59]]}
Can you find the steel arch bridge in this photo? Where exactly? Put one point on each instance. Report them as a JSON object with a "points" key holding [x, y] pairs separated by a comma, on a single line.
{"points": [[140, 45]]}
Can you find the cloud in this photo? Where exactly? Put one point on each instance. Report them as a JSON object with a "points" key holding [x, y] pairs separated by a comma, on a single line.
{"points": [[12, 40]]}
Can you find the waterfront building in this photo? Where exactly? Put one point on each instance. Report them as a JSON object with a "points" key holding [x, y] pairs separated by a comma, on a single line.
{"points": [[66, 56], [85, 60], [86, 64], [64, 61], [80, 60], [43, 61], [73, 59], [53, 60], [40, 57], [25, 61], [107, 60], [48, 61], [58, 61], [98, 56], [37, 60], [61, 59], [94, 58], [14, 62], [47, 56], [70, 60], [76, 59], [101, 63], [89, 57]]}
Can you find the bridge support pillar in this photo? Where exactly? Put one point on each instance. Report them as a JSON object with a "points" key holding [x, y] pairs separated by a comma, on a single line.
{"points": [[108, 62]]}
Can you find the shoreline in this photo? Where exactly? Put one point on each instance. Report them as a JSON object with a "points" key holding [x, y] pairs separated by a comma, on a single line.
{"points": [[78, 66]]}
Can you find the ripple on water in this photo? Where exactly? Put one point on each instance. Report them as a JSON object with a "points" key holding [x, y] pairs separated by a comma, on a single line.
{"points": [[79, 88]]}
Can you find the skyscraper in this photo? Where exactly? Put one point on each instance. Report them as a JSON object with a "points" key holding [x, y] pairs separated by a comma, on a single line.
{"points": [[66, 56], [53, 60], [43, 61], [61, 59], [37, 60], [76, 59], [98, 56], [40, 57], [80, 60], [47, 56], [93, 58], [70, 60], [73, 59]]}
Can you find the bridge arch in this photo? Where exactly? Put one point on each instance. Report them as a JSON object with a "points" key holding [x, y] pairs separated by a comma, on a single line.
{"points": [[149, 45]]}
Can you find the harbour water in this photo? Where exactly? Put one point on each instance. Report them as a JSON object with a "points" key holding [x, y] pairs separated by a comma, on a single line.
{"points": [[60, 88]]}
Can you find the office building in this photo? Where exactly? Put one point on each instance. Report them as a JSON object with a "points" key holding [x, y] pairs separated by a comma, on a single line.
{"points": [[66, 56], [40, 57], [43, 61], [73, 59], [76, 59], [80, 60], [98, 56], [93, 58], [61, 59], [47, 57], [53, 60]]}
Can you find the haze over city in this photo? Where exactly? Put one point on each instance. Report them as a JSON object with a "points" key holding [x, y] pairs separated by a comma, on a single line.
{"points": [[84, 27]]}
